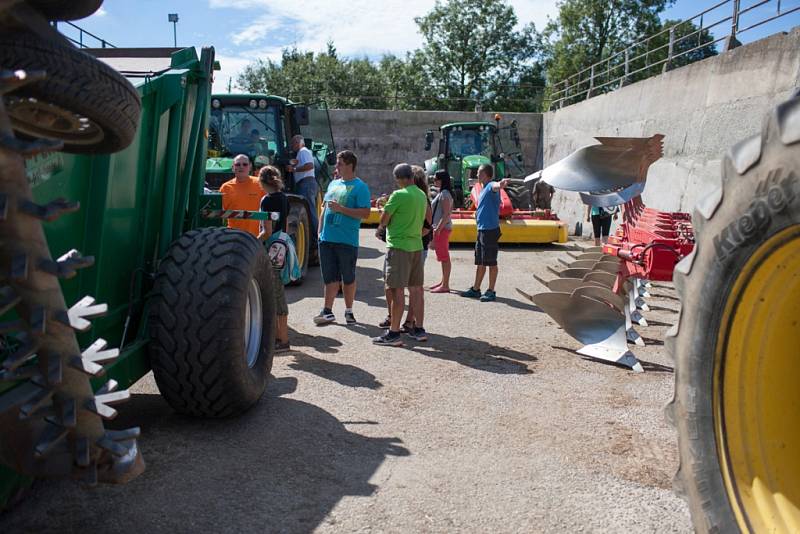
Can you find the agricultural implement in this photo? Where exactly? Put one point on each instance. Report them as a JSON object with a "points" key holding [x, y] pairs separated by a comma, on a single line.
{"points": [[262, 126], [465, 146], [735, 342], [600, 295], [113, 167]]}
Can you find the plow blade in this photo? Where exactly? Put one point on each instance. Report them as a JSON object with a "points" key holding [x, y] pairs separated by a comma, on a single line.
{"points": [[595, 324], [616, 163], [615, 198]]}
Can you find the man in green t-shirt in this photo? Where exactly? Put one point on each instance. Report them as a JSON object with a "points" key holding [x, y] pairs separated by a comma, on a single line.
{"points": [[403, 216]]}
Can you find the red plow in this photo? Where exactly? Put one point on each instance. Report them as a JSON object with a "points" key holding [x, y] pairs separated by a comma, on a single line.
{"points": [[601, 293]]}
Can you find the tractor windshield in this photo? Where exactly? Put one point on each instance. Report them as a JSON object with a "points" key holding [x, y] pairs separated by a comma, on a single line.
{"points": [[241, 130], [471, 142]]}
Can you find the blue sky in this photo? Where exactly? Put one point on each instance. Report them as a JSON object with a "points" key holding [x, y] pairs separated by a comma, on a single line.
{"points": [[245, 30]]}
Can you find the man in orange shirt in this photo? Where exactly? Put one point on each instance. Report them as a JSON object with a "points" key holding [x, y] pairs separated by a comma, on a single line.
{"points": [[242, 192]]}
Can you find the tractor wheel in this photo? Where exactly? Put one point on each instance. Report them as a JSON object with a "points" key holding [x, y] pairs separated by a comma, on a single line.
{"points": [[61, 10], [81, 101], [736, 342], [313, 253], [212, 320], [299, 228], [520, 197]]}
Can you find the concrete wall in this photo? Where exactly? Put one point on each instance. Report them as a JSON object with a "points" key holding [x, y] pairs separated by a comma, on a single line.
{"points": [[702, 109], [382, 139]]}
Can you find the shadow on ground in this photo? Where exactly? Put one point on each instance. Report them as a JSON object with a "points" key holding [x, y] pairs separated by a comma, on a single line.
{"points": [[344, 374], [281, 467]]}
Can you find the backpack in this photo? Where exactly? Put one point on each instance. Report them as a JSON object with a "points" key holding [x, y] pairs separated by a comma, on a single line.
{"points": [[283, 256]]}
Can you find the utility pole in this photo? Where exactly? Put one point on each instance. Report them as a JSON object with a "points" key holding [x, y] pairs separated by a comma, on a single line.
{"points": [[173, 18]]}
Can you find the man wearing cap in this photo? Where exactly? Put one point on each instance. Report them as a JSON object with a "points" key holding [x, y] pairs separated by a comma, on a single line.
{"points": [[403, 217]]}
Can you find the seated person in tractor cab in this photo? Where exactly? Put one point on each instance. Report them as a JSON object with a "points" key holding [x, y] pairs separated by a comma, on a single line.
{"points": [[242, 142]]}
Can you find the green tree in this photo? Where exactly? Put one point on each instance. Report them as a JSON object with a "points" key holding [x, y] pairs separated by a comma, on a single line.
{"points": [[305, 76], [473, 53], [588, 31]]}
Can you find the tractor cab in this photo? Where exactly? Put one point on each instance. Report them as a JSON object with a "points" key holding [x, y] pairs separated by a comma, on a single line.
{"points": [[465, 146], [261, 126]]}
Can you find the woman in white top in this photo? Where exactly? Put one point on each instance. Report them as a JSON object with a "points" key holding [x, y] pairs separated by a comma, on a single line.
{"points": [[442, 226]]}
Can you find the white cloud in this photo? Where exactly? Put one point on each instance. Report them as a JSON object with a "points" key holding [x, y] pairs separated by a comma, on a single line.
{"points": [[356, 27]]}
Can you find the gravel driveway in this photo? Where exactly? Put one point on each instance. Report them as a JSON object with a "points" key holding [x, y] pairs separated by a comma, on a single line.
{"points": [[494, 425]]}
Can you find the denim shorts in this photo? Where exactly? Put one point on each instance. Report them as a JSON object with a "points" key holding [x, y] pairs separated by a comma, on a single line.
{"points": [[486, 247], [338, 262]]}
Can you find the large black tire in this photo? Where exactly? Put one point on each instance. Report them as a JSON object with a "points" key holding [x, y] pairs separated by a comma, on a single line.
{"points": [[198, 323], [759, 199], [299, 228], [61, 10], [87, 104]]}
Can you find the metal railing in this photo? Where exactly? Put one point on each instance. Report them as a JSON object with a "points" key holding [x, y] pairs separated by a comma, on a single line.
{"points": [[79, 42], [672, 46]]}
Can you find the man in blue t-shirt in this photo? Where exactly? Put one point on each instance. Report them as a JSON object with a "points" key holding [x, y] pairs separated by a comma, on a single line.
{"points": [[487, 216], [347, 201]]}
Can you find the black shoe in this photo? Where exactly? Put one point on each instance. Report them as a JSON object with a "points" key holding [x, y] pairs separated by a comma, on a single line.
{"points": [[386, 323], [419, 334], [349, 317], [326, 316], [282, 347], [389, 338], [406, 328]]}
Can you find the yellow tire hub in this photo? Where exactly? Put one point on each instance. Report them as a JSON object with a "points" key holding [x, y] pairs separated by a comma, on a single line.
{"points": [[757, 389], [300, 244]]}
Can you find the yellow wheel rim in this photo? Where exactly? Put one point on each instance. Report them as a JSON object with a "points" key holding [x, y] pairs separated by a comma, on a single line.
{"points": [[300, 242], [756, 390]]}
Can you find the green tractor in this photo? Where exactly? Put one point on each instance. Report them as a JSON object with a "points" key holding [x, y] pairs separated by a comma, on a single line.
{"points": [[465, 146], [108, 157], [262, 126]]}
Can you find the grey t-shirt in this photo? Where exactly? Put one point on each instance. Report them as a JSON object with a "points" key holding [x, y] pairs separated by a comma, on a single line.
{"points": [[438, 205]]}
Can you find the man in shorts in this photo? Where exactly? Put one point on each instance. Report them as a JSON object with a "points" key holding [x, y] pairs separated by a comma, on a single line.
{"points": [[347, 201], [403, 217], [487, 217]]}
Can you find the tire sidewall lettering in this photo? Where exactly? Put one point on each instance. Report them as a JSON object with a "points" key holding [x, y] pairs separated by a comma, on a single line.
{"points": [[772, 196]]}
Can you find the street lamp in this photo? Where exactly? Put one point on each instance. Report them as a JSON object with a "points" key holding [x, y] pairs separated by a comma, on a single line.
{"points": [[173, 18]]}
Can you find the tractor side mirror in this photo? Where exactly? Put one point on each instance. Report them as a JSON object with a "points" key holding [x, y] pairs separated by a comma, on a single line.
{"points": [[330, 159], [301, 115], [428, 140]]}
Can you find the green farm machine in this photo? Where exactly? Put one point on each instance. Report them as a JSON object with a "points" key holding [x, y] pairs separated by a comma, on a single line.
{"points": [[261, 126], [463, 148], [107, 270]]}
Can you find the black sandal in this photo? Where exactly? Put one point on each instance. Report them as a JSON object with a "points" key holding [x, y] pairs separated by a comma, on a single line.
{"points": [[386, 322]]}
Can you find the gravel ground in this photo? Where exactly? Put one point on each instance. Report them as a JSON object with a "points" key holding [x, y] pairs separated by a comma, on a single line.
{"points": [[494, 425]]}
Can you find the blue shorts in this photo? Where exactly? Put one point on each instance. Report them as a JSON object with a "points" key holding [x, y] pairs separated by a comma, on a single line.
{"points": [[338, 262]]}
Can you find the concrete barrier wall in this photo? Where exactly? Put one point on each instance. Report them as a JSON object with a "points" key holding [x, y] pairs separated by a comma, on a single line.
{"points": [[381, 139], [702, 109]]}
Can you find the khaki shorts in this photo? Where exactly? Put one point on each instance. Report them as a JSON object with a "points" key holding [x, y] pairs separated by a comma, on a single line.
{"points": [[403, 269]]}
